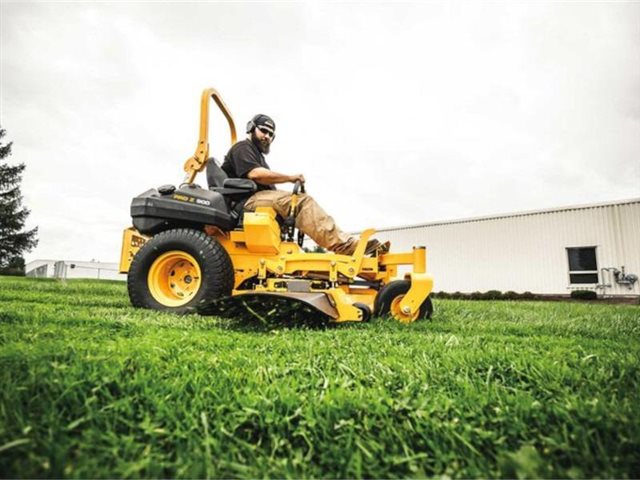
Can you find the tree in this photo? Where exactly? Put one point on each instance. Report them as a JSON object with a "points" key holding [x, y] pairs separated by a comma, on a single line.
{"points": [[14, 241]]}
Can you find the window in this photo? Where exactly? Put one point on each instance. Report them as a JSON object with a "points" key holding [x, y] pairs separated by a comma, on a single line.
{"points": [[583, 267]]}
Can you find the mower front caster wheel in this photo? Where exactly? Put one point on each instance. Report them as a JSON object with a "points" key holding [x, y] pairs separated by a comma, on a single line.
{"points": [[366, 311], [388, 300], [179, 271]]}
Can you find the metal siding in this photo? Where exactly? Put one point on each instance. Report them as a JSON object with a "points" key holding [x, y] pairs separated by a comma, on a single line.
{"points": [[526, 252], [62, 269]]}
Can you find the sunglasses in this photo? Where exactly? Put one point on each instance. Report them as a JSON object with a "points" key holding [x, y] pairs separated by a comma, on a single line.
{"points": [[267, 132]]}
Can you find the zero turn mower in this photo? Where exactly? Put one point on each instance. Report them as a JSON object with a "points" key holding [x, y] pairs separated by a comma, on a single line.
{"points": [[191, 249]]}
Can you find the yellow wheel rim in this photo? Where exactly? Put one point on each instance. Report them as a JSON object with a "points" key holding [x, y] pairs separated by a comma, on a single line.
{"points": [[174, 278], [396, 311]]}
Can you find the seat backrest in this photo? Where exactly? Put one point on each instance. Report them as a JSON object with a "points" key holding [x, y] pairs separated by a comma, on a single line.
{"points": [[215, 175]]}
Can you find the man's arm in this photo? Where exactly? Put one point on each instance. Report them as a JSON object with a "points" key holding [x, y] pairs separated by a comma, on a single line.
{"points": [[268, 177]]}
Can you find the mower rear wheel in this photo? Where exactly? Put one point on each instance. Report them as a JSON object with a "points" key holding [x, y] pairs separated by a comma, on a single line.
{"points": [[388, 300], [179, 271]]}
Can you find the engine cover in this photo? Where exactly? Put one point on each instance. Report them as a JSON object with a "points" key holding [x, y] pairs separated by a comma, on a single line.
{"points": [[153, 211]]}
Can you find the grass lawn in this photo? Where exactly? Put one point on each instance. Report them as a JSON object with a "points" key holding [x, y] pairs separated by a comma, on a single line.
{"points": [[90, 387]]}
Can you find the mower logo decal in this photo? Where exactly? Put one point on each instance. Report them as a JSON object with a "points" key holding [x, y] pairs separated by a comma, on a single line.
{"points": [[203, 202]]}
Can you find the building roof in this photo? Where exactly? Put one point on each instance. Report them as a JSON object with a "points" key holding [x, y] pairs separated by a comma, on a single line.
{"points": [[514, 214]]}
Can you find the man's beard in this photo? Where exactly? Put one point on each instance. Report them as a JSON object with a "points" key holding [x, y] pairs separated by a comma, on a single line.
{"points": [[263, 145]]}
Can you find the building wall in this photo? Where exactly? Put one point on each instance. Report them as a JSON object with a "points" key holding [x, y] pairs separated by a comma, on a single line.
{"points": [[527, 252], [39, 272], [40, 268], [73, 269]]}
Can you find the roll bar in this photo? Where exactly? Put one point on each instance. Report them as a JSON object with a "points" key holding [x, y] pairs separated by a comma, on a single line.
{"points": [[198, 161]]}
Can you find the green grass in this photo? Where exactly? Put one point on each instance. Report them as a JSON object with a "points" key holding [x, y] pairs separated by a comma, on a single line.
{"points": [[91, 387]]}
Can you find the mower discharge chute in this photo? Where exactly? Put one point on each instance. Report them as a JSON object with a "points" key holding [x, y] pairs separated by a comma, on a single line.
{"points": [[194, 250]]}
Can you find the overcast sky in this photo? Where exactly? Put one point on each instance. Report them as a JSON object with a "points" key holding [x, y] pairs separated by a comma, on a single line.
{"points": [[396, 113]]}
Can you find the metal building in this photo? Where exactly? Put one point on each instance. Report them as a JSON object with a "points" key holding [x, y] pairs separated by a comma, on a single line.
{"points": [[73, 269], [554, 251]]}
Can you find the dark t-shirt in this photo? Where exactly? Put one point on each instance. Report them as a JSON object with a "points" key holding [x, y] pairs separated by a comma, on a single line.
{"points": [[243, 157]]}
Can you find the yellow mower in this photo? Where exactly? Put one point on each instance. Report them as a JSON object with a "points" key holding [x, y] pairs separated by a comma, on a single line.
{"points": [[193, 249]]}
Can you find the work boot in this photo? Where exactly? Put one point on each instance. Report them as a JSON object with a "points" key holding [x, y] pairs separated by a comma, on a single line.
{"points": [[346, 248], [374, 246]]}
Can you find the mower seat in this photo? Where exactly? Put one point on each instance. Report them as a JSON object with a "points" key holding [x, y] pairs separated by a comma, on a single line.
{"points": [[218, 180], [235, 191], [215, 175]]}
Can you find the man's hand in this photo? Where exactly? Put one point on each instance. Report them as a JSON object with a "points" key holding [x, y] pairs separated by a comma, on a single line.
{"points": [[297, 178]]}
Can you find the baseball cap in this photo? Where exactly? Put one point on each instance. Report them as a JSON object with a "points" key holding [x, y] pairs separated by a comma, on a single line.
{"points": [[265, 121]]}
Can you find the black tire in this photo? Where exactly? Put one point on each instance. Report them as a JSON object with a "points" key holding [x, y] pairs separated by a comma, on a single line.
{"points": [[215, 268], [382, 304], [366, 311]]}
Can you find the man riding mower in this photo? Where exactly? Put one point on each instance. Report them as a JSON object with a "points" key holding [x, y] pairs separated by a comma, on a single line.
{"points": [[191, 248]]}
